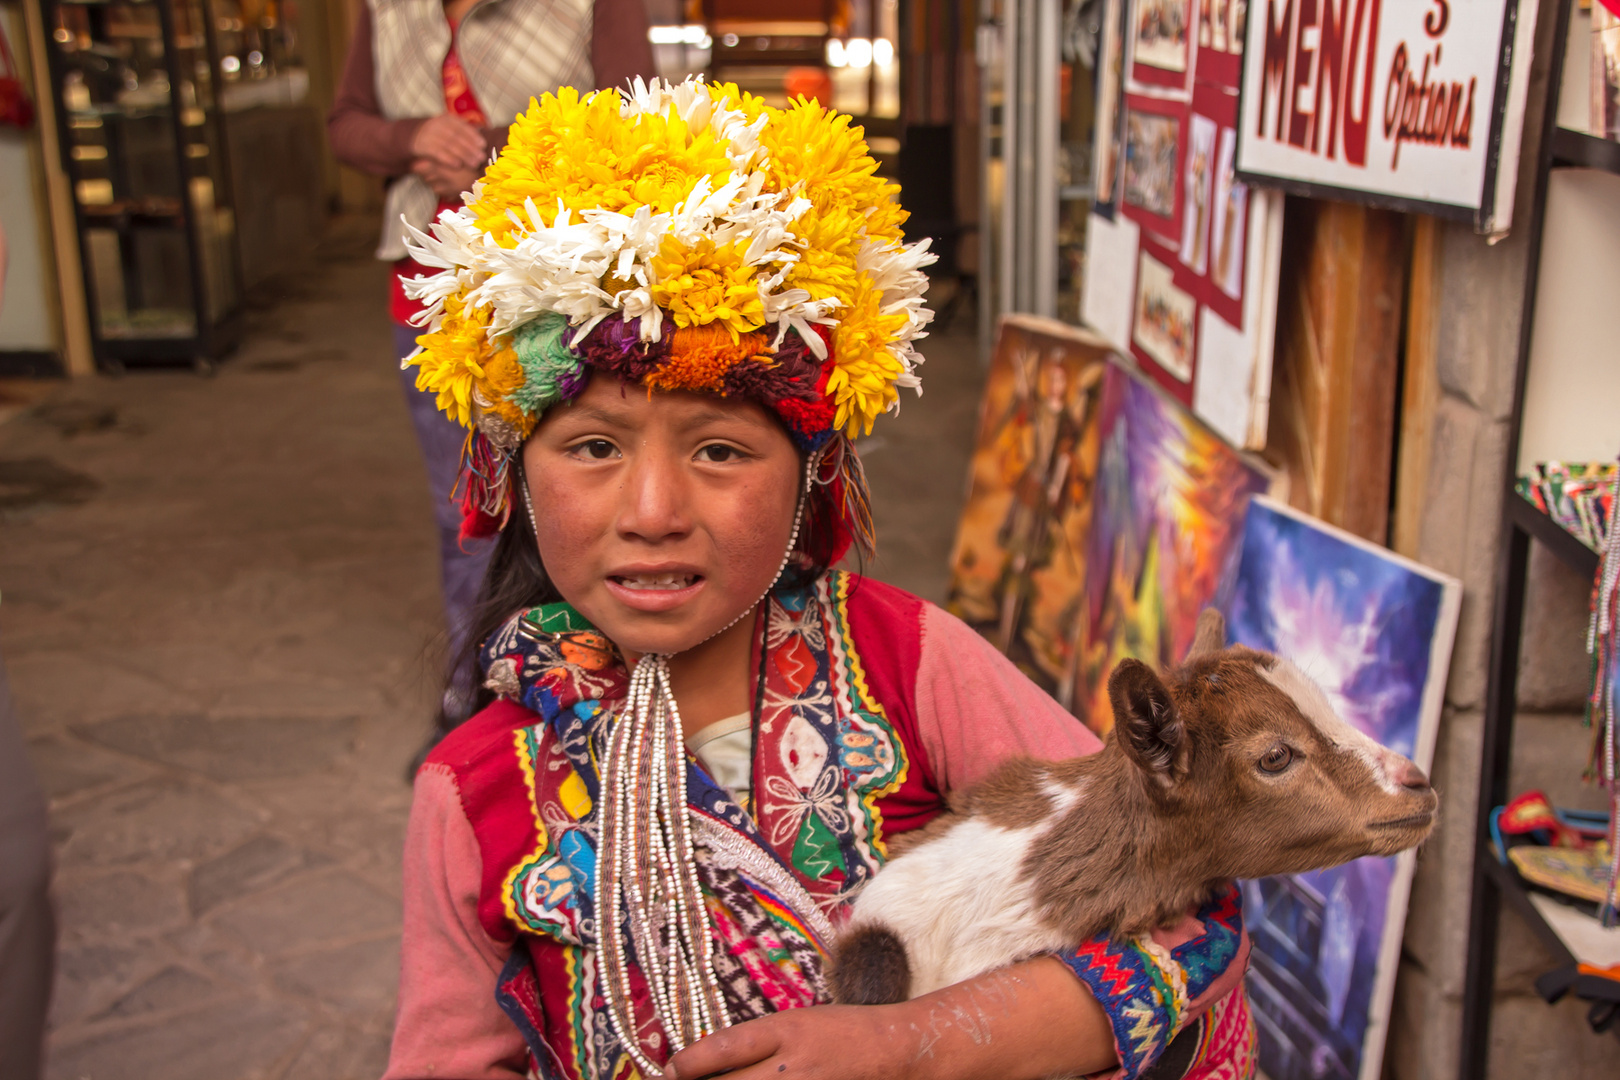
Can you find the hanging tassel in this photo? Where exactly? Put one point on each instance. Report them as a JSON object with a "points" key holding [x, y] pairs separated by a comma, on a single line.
{"points": [[846, 500], [486, 487], [857, 513]]}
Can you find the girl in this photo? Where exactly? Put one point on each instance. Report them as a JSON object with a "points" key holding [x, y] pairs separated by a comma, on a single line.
{"points": [[664, 317]]}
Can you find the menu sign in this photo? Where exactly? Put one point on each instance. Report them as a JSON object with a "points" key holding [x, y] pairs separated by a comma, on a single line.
{"points": [[1403, 103]]}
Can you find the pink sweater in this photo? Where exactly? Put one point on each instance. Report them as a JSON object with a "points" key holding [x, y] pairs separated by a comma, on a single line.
{"points": [[975, 710]]}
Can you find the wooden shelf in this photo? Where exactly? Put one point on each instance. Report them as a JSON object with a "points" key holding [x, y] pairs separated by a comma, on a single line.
{"points": [[1524, 515], [1564, 975], [1577, 149], [1507, 881]]}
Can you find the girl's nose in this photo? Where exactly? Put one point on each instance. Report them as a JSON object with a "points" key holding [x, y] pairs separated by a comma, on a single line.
{"points": [[653, 504]]}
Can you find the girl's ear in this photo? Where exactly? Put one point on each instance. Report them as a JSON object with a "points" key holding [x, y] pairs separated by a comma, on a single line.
{"points": [[1146, 723]]}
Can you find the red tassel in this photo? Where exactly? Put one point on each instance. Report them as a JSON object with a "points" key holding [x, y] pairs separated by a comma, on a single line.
{"points": [[485, 484]]}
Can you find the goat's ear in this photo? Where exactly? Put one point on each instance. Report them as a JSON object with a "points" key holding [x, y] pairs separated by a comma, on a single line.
{"points": [[1210, 637], [1146, 723]]}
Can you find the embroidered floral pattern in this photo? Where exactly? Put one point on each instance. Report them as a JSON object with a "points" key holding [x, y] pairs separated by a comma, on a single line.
{"points": [[825, 750]]}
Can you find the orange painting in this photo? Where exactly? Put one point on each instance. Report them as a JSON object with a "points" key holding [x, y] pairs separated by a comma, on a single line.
{"points": [[1017, 567]]}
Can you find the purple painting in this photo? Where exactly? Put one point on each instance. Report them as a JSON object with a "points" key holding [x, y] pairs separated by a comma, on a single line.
{"points": [[1375, 630], [1167, 512]]}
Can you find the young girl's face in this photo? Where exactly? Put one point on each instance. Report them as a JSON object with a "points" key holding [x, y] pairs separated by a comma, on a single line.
{"points": [[661, 517]]}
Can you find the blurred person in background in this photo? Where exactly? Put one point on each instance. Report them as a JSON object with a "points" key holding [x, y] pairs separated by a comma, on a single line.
{"points": [[27, 925], [428, 90]]}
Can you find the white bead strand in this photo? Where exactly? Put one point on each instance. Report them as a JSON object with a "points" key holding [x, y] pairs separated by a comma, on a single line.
{"points": [[647, 872]]}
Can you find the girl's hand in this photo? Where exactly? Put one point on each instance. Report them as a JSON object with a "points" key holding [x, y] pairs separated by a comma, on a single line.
{"points": [[1024, 1022], [829, 1042]]}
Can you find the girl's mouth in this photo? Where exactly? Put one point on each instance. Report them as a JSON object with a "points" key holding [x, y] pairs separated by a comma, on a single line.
{"points": [[655, 582], [655, 590]]}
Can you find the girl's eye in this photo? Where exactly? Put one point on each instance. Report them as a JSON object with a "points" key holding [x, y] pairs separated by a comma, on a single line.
{"points": [[596, 449], [715, 453]]}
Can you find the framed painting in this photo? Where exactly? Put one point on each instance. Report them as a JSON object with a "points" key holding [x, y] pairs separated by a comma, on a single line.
{"points": [[1017, 567], [1375, 631]]}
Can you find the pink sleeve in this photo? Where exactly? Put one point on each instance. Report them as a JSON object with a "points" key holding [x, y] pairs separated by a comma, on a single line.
{"points": [[975, 709], [448, 1025]]}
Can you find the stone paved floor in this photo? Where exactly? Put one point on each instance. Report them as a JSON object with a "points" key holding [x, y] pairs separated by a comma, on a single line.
{"points": [[219, 613]]}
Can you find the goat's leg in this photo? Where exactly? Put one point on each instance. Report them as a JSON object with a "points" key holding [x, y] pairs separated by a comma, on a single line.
{"points": [[870, 967]]}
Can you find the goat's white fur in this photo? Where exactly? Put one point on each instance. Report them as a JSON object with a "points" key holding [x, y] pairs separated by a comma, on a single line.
{"points": [[950, 903], [1313, 705]]}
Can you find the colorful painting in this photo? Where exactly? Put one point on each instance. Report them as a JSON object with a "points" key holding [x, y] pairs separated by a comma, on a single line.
{"points": [[1166, 517], [1150, 161], [1161, 33], [1231, 201], [1110, 106], [1018, 566], [1375, 630], [1164, 318], [1195, 208]]}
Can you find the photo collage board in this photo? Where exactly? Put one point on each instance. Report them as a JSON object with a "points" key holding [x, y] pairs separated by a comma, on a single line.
{"points": [[1183, 256]]}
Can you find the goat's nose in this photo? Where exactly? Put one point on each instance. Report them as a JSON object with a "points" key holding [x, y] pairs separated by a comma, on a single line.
{"points": [[1410, 776]]}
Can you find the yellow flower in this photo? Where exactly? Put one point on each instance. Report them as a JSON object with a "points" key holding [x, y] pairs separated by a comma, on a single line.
{"points": [[823, 157], [502, 375], [581, 152], [864, 370], [458, 358], [578, 152], [751, 106], [707, 284]]}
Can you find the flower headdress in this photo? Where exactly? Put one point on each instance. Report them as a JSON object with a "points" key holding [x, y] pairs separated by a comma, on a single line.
{"points": [[681, 237]]}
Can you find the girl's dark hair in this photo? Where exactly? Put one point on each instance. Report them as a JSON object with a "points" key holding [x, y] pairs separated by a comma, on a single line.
{"points": [[516, 579]]}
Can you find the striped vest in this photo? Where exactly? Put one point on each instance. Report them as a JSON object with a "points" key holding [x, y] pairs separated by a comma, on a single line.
{"points": [[512, 50]]}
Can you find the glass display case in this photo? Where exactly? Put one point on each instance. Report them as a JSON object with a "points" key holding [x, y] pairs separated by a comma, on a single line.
{"points": [[1037, 63], [138, 106]]}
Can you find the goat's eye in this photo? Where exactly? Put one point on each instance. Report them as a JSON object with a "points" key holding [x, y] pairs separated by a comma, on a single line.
{"points": [[1276, 759]]}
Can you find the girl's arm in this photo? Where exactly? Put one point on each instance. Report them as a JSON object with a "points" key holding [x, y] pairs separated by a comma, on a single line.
{"points": [[1025, 1022], [1104, 1007], [447, 1024]]}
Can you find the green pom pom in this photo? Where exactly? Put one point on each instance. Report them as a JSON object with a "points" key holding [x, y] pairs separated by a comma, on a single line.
{"points": [[551, 370]]}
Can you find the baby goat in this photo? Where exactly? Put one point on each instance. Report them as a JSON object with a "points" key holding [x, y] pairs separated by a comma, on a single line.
{"points": [[1238, 768]]}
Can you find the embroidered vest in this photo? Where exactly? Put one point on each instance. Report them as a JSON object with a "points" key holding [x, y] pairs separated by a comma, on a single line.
{"points": [[512, 50]]}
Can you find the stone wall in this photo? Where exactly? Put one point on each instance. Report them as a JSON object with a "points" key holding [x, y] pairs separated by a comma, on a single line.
{"points": [[1482, 289]]}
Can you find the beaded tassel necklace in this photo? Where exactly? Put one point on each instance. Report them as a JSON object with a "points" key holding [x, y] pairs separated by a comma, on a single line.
{"points": [[647, 878], [648, 875]]}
